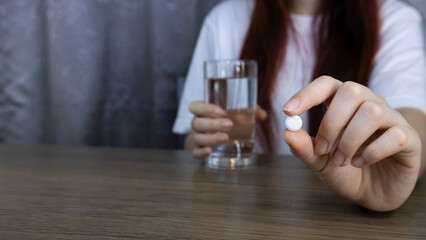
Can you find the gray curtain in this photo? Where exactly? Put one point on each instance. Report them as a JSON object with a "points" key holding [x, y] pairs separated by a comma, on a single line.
{"points": [[94, 72]]}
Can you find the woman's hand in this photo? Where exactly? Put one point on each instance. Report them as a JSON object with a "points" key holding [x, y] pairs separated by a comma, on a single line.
{"points": [[210, 127], [364, 150]]}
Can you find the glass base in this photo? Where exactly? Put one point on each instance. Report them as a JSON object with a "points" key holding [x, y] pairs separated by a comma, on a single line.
{"points": [[230, 163]]}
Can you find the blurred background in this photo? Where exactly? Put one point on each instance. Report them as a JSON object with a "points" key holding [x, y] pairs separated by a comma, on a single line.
{"points": [[96, 72]]}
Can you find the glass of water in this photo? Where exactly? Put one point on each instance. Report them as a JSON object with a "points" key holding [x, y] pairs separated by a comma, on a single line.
{"points": [[232, 85]]}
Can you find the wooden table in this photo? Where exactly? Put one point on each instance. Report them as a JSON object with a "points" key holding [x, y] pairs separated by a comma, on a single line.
{"points": [[52, 192]]}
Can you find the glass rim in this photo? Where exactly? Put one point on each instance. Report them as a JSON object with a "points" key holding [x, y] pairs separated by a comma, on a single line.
{"points": [[231, 61]]}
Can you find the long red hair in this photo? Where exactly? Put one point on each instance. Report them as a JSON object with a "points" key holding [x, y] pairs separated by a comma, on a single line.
{"points": [[346, 44]]}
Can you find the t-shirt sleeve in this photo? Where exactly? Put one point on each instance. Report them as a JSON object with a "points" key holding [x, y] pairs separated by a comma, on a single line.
{"points": [[399, 74], [194, 84]]}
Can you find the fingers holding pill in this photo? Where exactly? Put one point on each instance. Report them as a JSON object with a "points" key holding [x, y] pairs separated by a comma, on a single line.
{"points": [[362, 143], [343, 100], [354, 115]]}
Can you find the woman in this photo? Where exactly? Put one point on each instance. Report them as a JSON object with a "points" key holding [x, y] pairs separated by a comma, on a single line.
{"points": [[367, 141]]}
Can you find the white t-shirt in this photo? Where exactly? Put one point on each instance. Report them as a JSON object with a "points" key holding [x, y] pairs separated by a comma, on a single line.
{"points": [[399, 72]]}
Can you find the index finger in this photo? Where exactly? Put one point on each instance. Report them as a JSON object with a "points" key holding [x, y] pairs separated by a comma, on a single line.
{"points": [[315, 93], [203, 109]]}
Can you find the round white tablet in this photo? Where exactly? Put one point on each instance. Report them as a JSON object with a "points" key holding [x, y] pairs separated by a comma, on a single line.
{"points": [[293, 123]]}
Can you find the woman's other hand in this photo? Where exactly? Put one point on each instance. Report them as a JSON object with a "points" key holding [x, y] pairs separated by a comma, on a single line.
{"points": [[210, 127]]}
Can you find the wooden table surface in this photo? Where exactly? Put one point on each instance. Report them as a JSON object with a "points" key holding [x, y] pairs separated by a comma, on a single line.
{"points": [[53, 192]]}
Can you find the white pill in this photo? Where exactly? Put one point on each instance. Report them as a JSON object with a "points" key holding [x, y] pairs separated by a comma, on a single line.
{"points": [[293, 123]]}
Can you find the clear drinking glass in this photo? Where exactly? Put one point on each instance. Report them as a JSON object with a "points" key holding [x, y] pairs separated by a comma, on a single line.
{"points": [[232, 85]]}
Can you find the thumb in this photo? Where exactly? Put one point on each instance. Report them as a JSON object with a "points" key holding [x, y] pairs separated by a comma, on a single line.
{"points": [[301, 145]]}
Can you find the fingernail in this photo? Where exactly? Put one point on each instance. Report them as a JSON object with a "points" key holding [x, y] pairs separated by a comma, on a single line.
{"points": [[226, 124], [217, 111], [221, 138], [207, 151], [321, 146], [292, 105], [338, 158], [358, 162]]}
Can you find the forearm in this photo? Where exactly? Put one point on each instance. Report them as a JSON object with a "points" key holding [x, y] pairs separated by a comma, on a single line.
{"points": [[417, 120]]}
